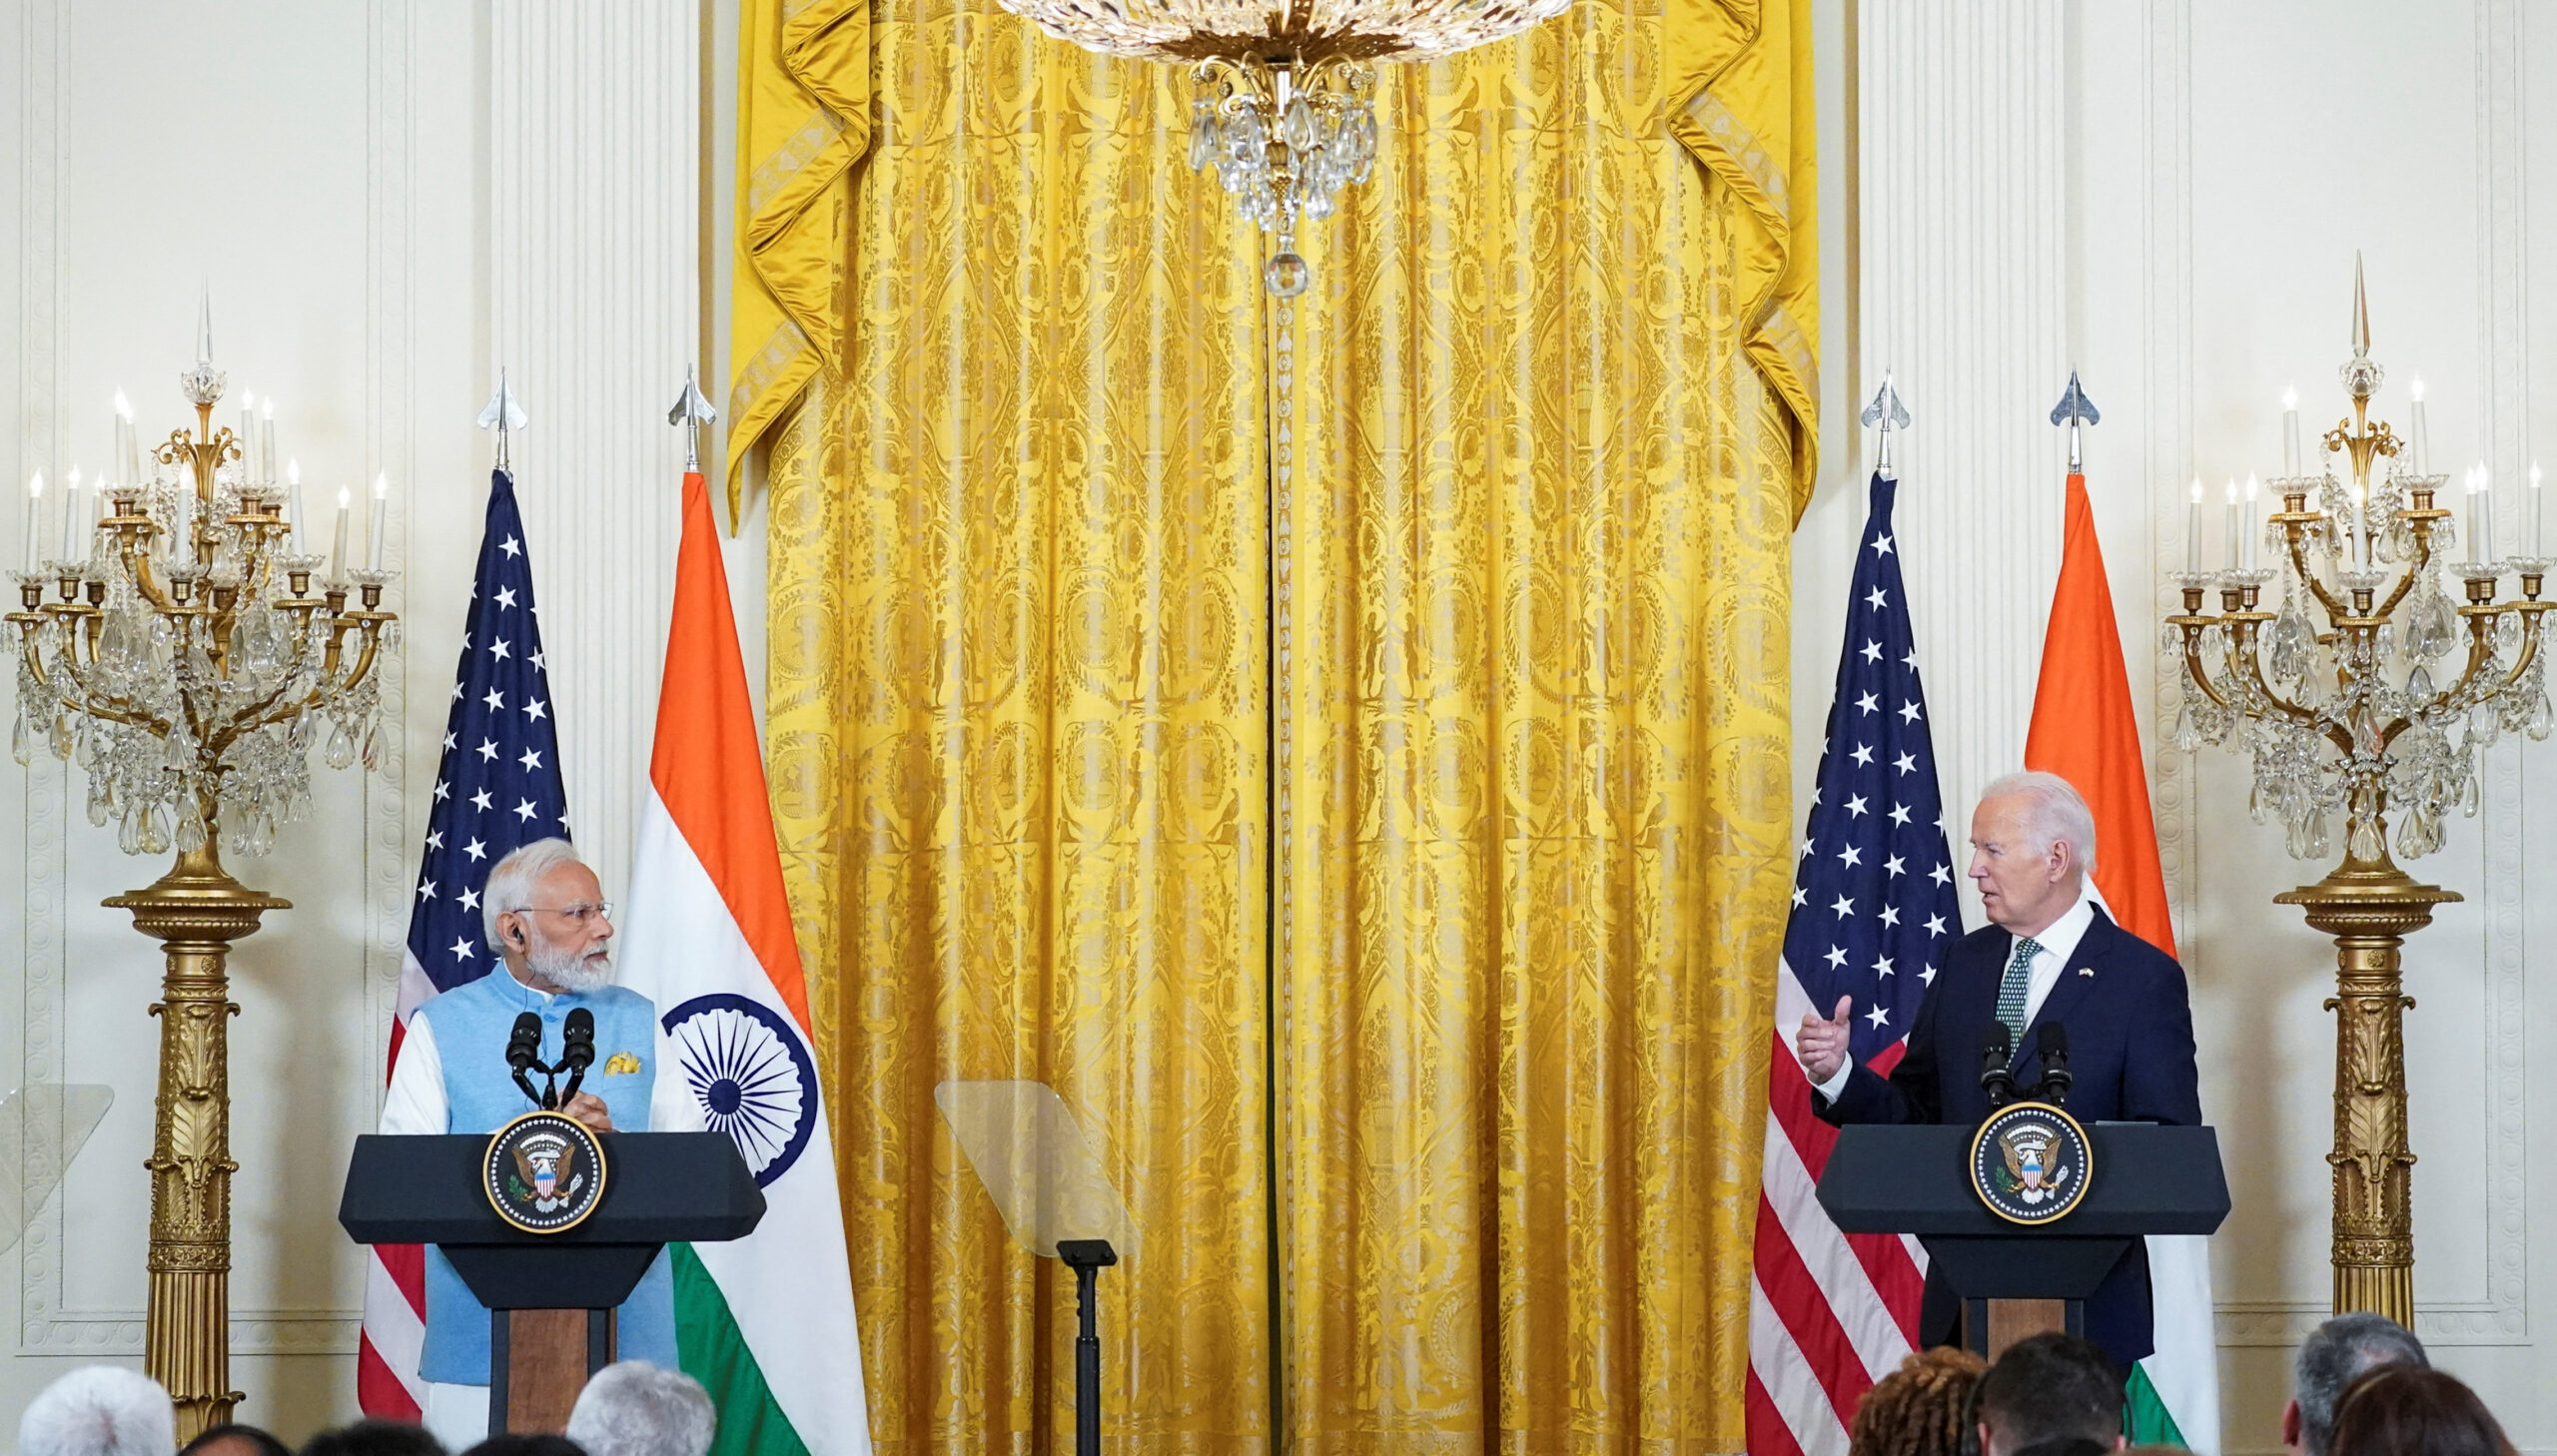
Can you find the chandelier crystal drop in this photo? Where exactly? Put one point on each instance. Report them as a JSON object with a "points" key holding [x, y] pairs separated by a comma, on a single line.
{"points": [[187, 662], [1285, 109]]}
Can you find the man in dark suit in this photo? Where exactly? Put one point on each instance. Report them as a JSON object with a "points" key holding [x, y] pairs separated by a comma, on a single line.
{"points": [[2048, 955]]}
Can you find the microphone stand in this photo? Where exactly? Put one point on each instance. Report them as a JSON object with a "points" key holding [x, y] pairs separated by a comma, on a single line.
{"points": [[1086, 1258]]}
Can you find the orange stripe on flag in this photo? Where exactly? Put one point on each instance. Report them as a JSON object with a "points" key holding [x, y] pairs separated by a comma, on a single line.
{"points": [[2083, 730], [708, 764]]}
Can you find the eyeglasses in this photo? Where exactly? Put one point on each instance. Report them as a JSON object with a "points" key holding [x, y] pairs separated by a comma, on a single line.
{"points": [[578, 914]]}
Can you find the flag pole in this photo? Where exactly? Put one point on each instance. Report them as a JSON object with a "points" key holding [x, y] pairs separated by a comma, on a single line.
{"points": [[2075, 409], [691, 411], [504, 416]]}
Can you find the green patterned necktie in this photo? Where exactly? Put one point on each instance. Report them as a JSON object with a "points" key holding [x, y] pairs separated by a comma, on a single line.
{"points": [[2011, 992]]}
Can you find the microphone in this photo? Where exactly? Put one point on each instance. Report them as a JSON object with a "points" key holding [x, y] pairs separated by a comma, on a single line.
{"points": [[1996, 1049], [2051, 1045], [523, 1053], [577, 1049]]}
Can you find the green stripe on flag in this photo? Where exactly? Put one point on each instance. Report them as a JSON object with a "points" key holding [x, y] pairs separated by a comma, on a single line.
{"points": [[2144, 1417], [714, 1351]]}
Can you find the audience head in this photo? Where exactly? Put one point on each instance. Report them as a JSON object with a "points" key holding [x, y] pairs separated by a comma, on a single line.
{"points": [[374, 1438], [520, 1444], [2335, 1355], [99, 1410], [634, 1408], [1919, 1409], [234, 1439], [2404, 1410], [2048, 1395]]}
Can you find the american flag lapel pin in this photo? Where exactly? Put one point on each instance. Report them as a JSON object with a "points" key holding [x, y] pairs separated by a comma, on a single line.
{"points": [[2086, 971]]}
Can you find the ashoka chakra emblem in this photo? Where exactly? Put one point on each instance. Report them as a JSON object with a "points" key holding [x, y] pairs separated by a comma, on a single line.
{"points": [[745, 1066]]}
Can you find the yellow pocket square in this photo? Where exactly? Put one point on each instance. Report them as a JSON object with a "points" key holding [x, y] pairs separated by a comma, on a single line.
{"points": [[619, 1062]]}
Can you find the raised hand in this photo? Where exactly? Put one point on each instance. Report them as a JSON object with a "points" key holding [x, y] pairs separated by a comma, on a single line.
{"points": [[1822, 1046]]}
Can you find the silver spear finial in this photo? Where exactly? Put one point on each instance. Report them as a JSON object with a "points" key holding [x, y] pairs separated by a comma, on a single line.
{"points": [[691, 411], [2075, 409], [1886, 413], [502, 414]]}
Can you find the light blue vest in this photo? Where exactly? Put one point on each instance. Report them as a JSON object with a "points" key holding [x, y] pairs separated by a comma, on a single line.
{"points": [[472, 1024]]}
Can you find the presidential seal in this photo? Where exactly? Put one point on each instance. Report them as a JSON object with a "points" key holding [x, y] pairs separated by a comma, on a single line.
{"points": [[544, 1172], [2031, 1163]]}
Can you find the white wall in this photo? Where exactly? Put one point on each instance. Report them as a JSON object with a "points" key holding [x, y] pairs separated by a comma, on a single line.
{"points": [[2168, 196], [389, 199]]}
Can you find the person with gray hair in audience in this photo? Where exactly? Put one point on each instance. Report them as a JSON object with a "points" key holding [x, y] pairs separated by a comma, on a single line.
{"points": [[99, 1410], [637, 1409], [2335, 1355]]}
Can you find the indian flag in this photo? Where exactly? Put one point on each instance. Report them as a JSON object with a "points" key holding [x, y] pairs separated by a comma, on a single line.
{"points": [[765, 1322], [2085, 730]]}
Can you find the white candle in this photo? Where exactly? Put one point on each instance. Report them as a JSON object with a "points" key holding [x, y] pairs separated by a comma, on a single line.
{"points": [[380, 515], [71, 520], [2358, 527], [2416, 432], [35, 509], [2481, 515], [182, 535], [293, 503], [2538, 544], [2248, 538], [266, 441], [247, 435], [2290, 433], [2231, 552], [97, 520], [2192, 529], [337, 552]]}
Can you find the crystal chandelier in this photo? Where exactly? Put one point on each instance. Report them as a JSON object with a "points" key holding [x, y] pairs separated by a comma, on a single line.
{"points": [[1283, 109], [185, 658], [2348, 696]]}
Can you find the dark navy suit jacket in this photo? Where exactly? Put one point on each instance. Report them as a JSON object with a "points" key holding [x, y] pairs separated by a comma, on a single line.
{"points": [[2131, 1052]]}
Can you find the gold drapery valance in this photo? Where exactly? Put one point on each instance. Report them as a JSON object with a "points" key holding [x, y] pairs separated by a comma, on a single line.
{"points": [[1452, 1144]]}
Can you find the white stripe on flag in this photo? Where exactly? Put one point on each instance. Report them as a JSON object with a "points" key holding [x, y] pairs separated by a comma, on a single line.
{"points": [[1790, 1386], [399, 1335], [1844, 1284]]}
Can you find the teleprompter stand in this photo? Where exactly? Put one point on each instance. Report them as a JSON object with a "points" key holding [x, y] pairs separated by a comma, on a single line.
{"points": [[551, 1297], [2016, 1280]]}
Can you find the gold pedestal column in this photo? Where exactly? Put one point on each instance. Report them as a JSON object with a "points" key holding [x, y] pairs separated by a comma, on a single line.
{"points": [[197, 910], [2369, 910]]}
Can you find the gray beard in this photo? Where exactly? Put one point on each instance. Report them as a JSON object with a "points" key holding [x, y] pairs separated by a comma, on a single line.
{"points": [[569, 969]]}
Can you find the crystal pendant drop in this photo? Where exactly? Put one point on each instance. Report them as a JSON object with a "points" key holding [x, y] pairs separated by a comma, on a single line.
{"points": [[2187, 738], [1286, 275], [189, 832], [101, 800], [129, 833], [21, 745], [2363, 841], [2419, 684], [340, 750], [2542, 718], [155, 830]]}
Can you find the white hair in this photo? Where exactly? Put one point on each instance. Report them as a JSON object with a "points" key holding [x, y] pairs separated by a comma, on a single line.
{"points": [[512, 880], [99, 1410], [2058, 815], [634, 1408]]}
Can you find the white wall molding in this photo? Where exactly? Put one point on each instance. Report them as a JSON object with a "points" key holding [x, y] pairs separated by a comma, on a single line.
{"points": [[596, 278]]}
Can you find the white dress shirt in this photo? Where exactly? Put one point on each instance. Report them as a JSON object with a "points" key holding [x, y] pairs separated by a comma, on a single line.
{"points": [[2058, 941]]}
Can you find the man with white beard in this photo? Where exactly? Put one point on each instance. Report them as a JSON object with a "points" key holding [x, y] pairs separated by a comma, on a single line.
{"points": [[545, 916]]}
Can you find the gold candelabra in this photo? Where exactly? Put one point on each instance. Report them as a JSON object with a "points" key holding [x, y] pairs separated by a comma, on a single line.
{"points": [[187, 664], [2348, 716]]}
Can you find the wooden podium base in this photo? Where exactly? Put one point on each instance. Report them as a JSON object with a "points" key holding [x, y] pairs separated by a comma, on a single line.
{"points": [[1991, 1325], [539, 1360]]}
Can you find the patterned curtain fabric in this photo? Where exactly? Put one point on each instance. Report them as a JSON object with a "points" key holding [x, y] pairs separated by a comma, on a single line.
{"points": [[1460, 1158]]}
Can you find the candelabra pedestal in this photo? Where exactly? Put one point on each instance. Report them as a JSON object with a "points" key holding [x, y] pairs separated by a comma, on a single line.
{"points": [[2370, 909], [196, 910]]}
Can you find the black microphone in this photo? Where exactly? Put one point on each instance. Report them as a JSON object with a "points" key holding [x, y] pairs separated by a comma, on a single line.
{"points": [[1996, 1049], [2051, 1045], [577, 1049], [523, 1053]]}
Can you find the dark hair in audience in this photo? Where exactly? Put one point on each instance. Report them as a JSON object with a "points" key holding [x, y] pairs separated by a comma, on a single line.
{"points": [[517, 1444], [2401, 1410], [1919, 1409], [374, 1438], [213, 1436], [2050, 1388], [2335, 1355]]}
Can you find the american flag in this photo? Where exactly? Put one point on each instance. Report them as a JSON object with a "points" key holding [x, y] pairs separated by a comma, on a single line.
{"points": [[496, 788], [1873, 912]]}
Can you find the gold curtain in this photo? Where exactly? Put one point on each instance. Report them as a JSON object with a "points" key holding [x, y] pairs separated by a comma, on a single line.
{"points": [[1537, 856], [1535, 450]]}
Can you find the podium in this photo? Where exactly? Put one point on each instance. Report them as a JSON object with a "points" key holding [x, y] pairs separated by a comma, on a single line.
{"points": [[551, 1297], [2015, 1281]]}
